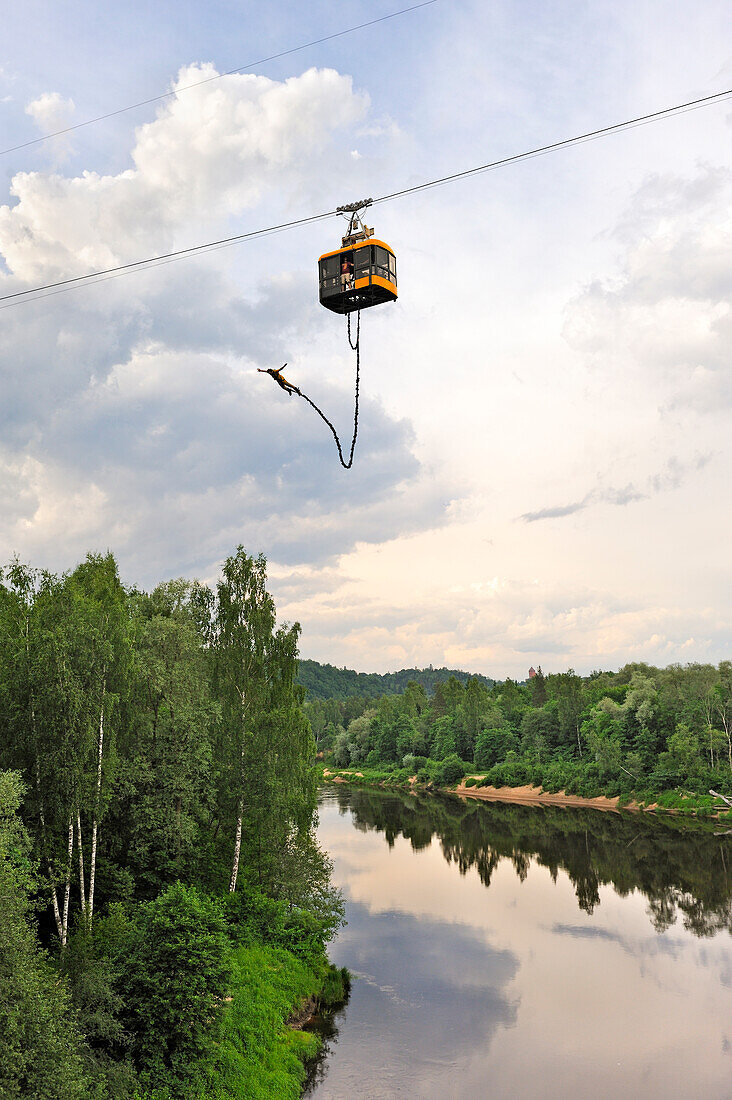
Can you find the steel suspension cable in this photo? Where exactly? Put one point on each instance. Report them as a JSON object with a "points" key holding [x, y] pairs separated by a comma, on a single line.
{"points": [[653, 116], [219, 76]]}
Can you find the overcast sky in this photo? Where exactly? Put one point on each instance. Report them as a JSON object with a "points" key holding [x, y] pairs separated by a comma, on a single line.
{"points": [[543, 470]]}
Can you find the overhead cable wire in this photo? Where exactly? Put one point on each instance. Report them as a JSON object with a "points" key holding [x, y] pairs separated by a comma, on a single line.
{"points": [[219, 76], [152, 261], [604, 131]]}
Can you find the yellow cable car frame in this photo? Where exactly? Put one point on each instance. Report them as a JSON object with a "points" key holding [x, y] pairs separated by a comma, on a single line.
{"points": [[359, 274]]}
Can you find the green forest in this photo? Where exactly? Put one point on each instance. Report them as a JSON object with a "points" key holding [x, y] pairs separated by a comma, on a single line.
{"points": [[328, 682], [165, 909], [164, 906], [661, 735]]}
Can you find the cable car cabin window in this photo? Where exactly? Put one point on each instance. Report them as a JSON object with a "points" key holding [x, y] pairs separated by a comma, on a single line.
{"points": [[330, 279], [392, 267], [381, 266], [361, 262]]}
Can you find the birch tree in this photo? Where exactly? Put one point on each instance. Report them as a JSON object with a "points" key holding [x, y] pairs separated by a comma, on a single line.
{"points": [[265, 738], [63, 720], [723, 704], [24, 731], [102, 655], [166, 799]]}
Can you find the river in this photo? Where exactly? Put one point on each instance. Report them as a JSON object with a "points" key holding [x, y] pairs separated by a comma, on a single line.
{"points": [[512, 951]]}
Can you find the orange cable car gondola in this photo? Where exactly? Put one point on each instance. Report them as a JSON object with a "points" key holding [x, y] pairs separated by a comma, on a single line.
{"points": [[362, 272]]}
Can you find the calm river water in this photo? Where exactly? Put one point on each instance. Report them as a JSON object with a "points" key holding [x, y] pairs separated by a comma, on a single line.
{"points": [[513, 951]]}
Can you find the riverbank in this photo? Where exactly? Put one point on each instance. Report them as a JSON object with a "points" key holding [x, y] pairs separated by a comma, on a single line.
{"points": [[262, 1050], [537, 796], [672, 802]]}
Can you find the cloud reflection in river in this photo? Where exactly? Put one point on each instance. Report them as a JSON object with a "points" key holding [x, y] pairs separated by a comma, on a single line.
{"points": [[427, 993], [510, 951]]}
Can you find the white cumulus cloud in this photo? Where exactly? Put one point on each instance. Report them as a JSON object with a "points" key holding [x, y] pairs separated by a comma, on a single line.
{"points": [[132, 413], [50, 111]]}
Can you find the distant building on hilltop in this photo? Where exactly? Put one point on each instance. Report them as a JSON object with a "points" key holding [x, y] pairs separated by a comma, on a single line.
{"points": [[532, 672]]}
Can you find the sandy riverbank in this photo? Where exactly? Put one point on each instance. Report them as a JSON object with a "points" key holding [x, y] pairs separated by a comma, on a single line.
{"points": [[535, 796], [527, 796]]}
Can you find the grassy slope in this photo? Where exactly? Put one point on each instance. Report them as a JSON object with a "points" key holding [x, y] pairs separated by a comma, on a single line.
{"points": [[258, 1056]]}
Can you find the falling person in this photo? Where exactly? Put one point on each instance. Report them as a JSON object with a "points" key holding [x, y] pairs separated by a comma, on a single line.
{"points": [[280, 379]]}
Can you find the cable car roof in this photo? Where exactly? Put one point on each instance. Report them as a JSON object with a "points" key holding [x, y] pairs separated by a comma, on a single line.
{"points": [[358, 244]]}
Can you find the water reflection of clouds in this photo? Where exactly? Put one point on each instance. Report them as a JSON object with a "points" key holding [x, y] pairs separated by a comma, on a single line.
{"points": [[432, 991], [650, 945], [592, 1001]]}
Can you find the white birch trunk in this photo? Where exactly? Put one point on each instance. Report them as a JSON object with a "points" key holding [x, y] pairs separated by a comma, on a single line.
{"points": [[728, 730], [82, 880], [237, 848], [56, 910], [44, 847], [240, 809], [709, 715], [67, 891], [95, 827]]}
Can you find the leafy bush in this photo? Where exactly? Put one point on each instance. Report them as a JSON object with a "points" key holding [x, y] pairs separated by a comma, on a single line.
{"points": [[254, 917], [450, 771], [335, 988], [174, 980], [302, 934], [413, 763]]}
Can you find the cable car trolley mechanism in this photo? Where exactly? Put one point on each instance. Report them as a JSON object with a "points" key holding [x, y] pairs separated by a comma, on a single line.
{"points": [[362, 272]]}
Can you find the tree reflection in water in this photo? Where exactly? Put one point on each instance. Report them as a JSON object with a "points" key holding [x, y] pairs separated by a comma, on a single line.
{"points": [[681, 867], [326, 1026]]}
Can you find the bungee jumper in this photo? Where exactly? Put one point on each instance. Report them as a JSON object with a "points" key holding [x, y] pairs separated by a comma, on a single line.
{"points": [[359, 274], [280, 379]]}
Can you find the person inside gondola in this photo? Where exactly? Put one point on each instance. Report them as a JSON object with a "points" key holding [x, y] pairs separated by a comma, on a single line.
{"points": [[347, 271]]}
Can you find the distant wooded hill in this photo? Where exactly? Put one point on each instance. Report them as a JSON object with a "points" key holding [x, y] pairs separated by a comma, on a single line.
{"points": [[329, 682]]}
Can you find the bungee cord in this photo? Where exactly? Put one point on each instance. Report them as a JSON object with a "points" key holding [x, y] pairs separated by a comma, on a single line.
{"points": [[289, 388]]}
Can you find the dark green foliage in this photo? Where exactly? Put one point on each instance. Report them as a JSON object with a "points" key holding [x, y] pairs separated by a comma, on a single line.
{"points": [[40, 1043], [328, 682], [164, 791], [149, 728], [637, 732], [450, 771], [251, 915], [92, 977], [495, 738], [174, 975]]}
